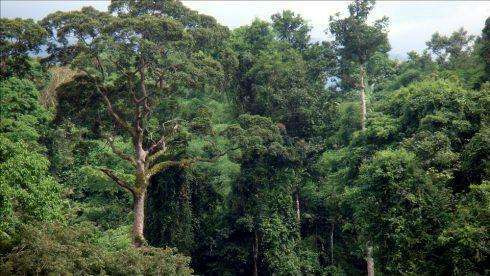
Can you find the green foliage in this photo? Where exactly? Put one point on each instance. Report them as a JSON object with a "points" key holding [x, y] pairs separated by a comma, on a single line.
{"points": [[356, 42], [403, 222], [450, 49], [475, 157], [279, 80], [27, 190], [395, 184], [291, 28], [76, 162], [18, 38], [440, 104], [482, 51], [269, 170], [465, 241], [81, 249], [22, 117], [346, 123], [261, 200], [102, 50], [28, 193], [359, 40]]}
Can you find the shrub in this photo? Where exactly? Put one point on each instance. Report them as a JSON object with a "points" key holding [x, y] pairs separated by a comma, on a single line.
{"points": [[84, 250]]}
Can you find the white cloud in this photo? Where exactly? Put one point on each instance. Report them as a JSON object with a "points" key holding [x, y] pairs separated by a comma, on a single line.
{"points": [[413, 22], [38, 9], [237, 13]]}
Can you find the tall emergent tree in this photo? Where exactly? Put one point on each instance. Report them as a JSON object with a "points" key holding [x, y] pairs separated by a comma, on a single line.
{"points": [[485, 50], [356, 42], [134, 58]]}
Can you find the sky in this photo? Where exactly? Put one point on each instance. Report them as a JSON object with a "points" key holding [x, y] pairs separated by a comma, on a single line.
{"points": [[411, 22]]}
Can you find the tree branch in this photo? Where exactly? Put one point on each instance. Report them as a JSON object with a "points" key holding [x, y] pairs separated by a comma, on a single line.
{"points": [[160, 144], [159, 147], [121, 68], [118, 152], [144, 97], [121, 183], [111, 111], [120, 121], [156, 155], [184, 162], [162, 166]]}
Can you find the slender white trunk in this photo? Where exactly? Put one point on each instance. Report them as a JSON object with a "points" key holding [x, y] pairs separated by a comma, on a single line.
{"points": [[298, 210], [363, 98], [369, 248], [332, 226]]}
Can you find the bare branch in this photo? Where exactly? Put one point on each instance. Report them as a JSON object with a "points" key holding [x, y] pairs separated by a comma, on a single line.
{"points": [[111, 111], [159, 148], [144, 92], [156, 155], [121, 183], [162, 166], [123, 70], [118, 152], [160, 144], [120, 121]]}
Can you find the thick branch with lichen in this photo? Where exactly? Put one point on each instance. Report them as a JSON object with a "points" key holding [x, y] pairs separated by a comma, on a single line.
{"points": [[110, 173], [119, 152], [158, 167]]}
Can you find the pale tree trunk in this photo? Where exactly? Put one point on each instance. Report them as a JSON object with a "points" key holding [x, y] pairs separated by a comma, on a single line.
{"points": [[255, 252], [298, 210], [332, 226], [362, 87], [141, 186], [369, 260], [139, 219]]}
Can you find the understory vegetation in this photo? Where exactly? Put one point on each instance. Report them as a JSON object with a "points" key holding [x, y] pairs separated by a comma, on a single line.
{"points": [[151, 140]]}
